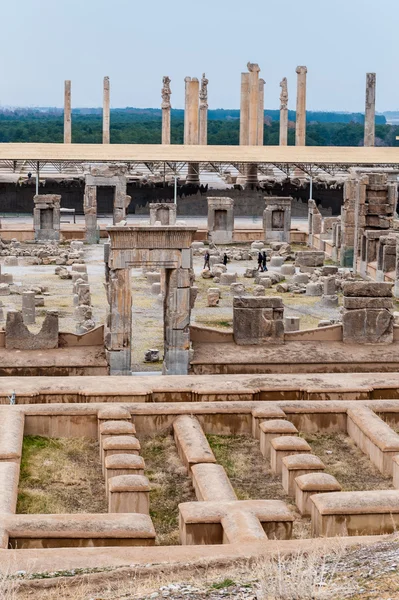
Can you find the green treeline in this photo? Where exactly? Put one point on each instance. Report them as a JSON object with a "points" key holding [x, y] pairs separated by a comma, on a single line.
{"points": [[133, 126]]}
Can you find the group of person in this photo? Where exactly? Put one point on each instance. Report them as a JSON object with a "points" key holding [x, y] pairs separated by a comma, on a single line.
{"points": [[262, 260], [207, 256]]}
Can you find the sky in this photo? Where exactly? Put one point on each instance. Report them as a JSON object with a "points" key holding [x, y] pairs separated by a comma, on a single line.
{"points": [[136, 42]]}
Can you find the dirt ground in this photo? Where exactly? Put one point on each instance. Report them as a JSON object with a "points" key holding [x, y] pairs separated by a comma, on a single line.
{"points": [[343, 459], [170, 486], [60, 476], [147, 327]]}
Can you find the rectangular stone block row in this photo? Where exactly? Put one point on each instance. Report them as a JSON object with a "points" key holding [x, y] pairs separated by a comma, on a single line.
{"points": [[374, 437], [11, 435], [76, 531], [265, 413], [191, 443], [210, 482], [355, 513]]}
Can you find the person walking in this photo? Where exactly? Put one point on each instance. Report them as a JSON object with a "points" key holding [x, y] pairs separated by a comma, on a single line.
{"points": [[225, 259], [206, 259], [264, 261], [260, 260]]}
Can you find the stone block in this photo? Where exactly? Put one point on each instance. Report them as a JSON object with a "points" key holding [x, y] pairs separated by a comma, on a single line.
{"points": [[259, 290], [368, 289], [155, 289], [18, 336], [310, 258], [250, 273], [355, 302], [237, 289], [276, 261], [291, 323], [129, 494], [314, 289], [328, 270], [330, 286], [288, 269], [313, 483], [265, 282], [329, 301], [4, 289], [153, 277], [228, 278], [273, 428], [300, 278], [296, 465], [213, 297], [251, 302], [368, 326]]}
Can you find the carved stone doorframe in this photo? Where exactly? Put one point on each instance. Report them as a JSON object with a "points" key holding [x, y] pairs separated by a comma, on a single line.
{"points": [[166, 248]]}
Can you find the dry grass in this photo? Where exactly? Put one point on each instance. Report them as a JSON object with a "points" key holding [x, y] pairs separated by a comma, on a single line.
{"points": [[170, 486], [60, 476], [251, 476], [347, 463]]}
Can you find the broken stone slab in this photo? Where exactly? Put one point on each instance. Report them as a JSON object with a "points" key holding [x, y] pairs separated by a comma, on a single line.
{"points": [[282, 288], [206, 274], [368, 326], [301, 278], [368, 289], [4, 289], [329, 270], [292, 323], [265, 282], [39, 301], [330, 287], [250, 273]]}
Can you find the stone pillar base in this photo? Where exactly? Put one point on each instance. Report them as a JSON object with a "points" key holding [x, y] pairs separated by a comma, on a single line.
{"points": [[176, 362], [119, 362], [92, 236]]}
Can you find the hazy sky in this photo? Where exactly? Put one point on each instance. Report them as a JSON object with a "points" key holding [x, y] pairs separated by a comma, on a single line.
{"points": [[136, 42]]}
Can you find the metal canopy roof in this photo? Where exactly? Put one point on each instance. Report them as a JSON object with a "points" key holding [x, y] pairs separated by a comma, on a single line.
{"points": [[143, 153]]}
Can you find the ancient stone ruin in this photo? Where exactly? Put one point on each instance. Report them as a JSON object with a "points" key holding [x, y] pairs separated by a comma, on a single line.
{"points": [[220, 220], [47, 217]]}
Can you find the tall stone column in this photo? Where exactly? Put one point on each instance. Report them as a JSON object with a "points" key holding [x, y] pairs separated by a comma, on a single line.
{"points": [[191, 124], [369, 115], [253, 103], [203, 111], [67, 113], [244, 110], [166, 107], [300, 130], [284, 112], [253, 119], [261, 111], [106, 112], [119, 322]]}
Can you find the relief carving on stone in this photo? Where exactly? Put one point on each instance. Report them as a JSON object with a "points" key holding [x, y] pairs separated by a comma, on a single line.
{"points": [[166, 92], [203, 95], [284, 94]]}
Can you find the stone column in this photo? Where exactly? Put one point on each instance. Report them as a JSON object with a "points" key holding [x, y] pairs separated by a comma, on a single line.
{"points": [[369, 116], [67, 113], [203, 111], [90, 210], [253, 118], [191, 124], [244, 110], [119, 322], [28, 308], [166, 107], [261, 111], [106, 112], [177, 309], [253, 103], [300, 130], [284, 112]]}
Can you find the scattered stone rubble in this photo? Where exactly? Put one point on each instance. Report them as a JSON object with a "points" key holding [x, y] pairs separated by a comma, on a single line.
{"points": [[41, 254]]}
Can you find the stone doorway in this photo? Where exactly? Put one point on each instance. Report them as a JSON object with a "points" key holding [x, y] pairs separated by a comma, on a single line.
{"points": [[167, 248]]}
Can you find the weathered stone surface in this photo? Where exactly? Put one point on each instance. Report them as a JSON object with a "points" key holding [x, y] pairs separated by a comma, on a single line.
{"points": [[250, 273], [288, 269], [265, 282], [352, 303], [18, 336], [251, 302], [259, 290], [368, 289], [301, 278], [292, 323], [329, 270], [368, 326], [330, 286], [314, 289], [238, 289], [282, 288], [329, 301], [310, 258], [4, 289], [276, 261], [228, 278], [213, 296]]}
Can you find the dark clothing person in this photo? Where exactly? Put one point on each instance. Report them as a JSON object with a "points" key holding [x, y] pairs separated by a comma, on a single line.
{"points": [[260, 260], [206, 259], [225, 259], [264, 261]]}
